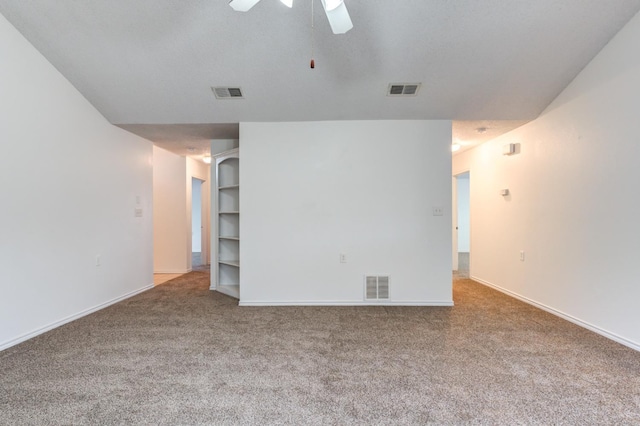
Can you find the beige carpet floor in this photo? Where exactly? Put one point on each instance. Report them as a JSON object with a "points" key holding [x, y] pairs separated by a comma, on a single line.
{"points": [[181, 354]]}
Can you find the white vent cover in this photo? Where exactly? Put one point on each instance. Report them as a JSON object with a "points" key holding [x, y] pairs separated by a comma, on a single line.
{"points": [[403, 89], [376, 287], [227, 92]]}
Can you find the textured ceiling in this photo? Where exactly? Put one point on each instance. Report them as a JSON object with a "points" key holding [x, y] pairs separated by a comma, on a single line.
{"points": [[153, 61], [468, 134]]}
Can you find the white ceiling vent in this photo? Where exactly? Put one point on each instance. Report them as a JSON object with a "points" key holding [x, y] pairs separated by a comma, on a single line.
{"points": [[376, 287], [228, 92], [403, 89]]}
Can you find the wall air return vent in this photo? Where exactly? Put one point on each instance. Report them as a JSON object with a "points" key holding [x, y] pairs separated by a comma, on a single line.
{"points": [[403, 89], [228, 92], [376, 287]]}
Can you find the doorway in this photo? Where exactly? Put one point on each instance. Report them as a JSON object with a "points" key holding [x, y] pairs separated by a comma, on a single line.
{"points": [[197, 226], [462, 224]]}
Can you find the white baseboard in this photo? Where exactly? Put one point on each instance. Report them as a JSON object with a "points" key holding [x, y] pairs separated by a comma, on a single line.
{"points": [[173, 271], [572, 319], [51, 326], [344, 303]]}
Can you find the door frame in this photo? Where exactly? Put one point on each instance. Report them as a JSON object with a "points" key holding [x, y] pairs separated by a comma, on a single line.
{"points": [[205, 201], [454, 218], [454, 223]]}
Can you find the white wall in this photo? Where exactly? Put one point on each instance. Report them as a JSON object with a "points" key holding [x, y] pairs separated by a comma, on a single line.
{"points": [[574, 199], [310, 191], [171, 247], [70, 184]]}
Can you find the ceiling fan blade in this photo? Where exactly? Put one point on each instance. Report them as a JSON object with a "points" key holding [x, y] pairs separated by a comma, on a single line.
{"points": [[339, 18], [242, 5]]}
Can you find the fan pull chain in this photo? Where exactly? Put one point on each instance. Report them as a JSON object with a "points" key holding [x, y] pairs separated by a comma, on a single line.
{"points": [[312, 65]]}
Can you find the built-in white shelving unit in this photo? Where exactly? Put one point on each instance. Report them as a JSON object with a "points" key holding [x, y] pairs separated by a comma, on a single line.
{"points": [[227, 207]]}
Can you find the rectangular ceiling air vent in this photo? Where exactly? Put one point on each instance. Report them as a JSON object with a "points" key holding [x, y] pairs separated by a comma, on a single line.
{"points": [[376, 287], [227, 92], [403, 89]]}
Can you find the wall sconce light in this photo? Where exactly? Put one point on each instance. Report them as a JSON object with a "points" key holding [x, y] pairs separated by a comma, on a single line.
{"points": [[509, 149], [207, 159]]}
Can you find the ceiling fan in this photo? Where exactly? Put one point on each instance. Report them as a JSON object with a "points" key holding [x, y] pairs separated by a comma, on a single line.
{"points": [[335, 10]]}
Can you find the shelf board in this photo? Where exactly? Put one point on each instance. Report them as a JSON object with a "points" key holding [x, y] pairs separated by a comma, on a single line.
{"points": [[229, 238], [235, 263], [229, 212], [229, 187], [229, 290]]}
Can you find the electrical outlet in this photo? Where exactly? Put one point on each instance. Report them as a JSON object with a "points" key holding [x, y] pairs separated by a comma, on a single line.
{"points": [[438, 211], [343, 258], [521, 255]]}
